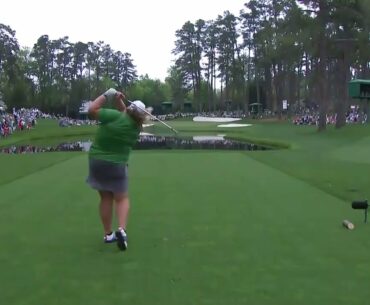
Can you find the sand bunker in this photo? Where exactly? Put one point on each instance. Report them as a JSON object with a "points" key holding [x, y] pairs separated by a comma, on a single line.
{"points": [[147, 125], [146, 134], [212, 119], [208, 138], [234, 125]]}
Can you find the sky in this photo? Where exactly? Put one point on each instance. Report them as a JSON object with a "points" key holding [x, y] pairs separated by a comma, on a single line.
{"points": [[145, 29]]}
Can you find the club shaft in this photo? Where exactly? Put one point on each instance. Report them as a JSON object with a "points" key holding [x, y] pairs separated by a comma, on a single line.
{"points": [[155, 118]]}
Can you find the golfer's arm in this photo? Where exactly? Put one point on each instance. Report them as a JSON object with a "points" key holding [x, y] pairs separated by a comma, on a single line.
{"points": [[120, 105], [95, 106]]}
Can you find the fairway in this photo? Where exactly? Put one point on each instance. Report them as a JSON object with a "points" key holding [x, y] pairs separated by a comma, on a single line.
{"points": [[205, 228]]}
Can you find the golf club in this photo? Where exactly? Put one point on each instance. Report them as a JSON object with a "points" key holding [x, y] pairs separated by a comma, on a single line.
{"points": [[155, 118]]}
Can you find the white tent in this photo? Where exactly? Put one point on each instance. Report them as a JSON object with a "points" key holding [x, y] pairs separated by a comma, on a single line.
{"points": [[2, 105]]}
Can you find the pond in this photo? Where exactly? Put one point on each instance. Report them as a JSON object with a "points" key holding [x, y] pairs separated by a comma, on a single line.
{"points": [[146, 142]]}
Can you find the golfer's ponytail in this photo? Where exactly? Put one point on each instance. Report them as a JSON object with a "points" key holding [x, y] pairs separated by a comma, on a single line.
{"points": [[137, 116]]}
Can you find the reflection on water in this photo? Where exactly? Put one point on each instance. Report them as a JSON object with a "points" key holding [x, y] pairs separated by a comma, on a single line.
{"points": [[145, 142], [211, 143], [29, 149]]}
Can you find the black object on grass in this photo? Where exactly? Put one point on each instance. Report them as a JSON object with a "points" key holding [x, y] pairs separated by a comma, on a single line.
{"points": [[361, 205]]}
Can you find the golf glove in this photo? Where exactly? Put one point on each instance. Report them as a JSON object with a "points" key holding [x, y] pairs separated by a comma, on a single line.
{"points": [[110, 93]]}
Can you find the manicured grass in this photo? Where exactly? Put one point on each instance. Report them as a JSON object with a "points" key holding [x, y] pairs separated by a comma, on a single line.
{"points": [[13, 167], [48, 132], [335, 161], [205, 227]]}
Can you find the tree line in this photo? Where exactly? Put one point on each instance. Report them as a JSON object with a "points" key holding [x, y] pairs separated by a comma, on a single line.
{"points": [[275, 50], [301, 51], [56, 75]]}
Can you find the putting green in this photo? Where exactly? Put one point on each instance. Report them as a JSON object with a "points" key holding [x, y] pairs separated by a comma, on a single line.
{"points": [[205, 228]]}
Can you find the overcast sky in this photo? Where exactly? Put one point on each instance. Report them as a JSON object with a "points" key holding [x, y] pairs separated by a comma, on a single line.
{"points": [[144, 28]]}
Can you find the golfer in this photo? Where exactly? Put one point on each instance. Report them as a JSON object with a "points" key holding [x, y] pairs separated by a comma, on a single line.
{"points": [[117, 133]]}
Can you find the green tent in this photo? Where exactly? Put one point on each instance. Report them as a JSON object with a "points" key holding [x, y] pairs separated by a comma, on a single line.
{"points": [[359, 88], [188, 106], [255, 108], [167, 107]]}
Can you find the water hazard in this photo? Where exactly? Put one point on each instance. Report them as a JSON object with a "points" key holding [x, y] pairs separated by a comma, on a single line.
{"points": [[145, 143]]}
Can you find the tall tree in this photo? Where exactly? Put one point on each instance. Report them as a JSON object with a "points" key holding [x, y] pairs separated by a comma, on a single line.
{"points": [[228, 53], [188, 46], [8, 52], [9, 70], [320, 10], [210, 54], [177, 83]]}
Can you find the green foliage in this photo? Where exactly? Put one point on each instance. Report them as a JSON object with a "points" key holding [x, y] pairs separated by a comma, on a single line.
{"points": [[8, 53], [56, 75], [178, 87], [151, 92], [289, 48]]}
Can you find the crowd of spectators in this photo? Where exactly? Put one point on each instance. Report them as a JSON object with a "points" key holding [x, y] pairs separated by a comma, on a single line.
{"points": [[211, 114], [26, 119], [310, 117], [22, 119], [66, 122]]}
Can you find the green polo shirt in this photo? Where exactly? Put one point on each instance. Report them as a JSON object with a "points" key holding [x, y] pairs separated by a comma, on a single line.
{"points": [[116, 135]]}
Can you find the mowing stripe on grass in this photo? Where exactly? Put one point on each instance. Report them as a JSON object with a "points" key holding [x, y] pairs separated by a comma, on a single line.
{"points": [[205, 228], [14, 167]]}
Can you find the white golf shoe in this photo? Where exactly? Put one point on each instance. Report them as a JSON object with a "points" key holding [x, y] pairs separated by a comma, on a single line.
{"points": [[121, 239], [110, 238]]}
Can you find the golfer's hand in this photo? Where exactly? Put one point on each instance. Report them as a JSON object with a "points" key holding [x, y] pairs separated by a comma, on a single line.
{"points": [[120, 96], [110, 93]]}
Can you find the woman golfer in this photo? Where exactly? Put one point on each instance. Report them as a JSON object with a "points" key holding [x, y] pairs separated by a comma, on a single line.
{"points": [[117, 133]]}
